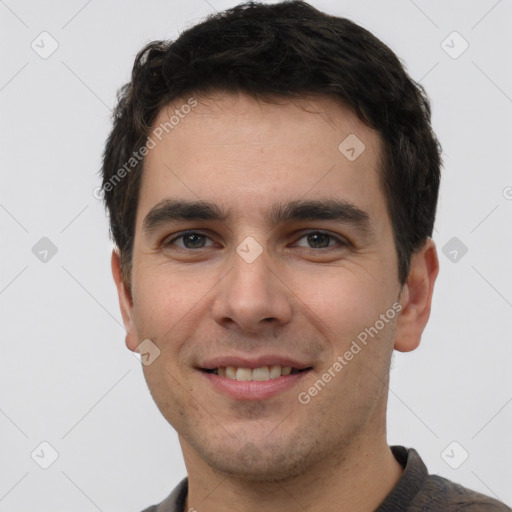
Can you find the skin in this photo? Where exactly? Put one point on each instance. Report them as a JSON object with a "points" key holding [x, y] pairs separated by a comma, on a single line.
{"points": [[296, 298]]}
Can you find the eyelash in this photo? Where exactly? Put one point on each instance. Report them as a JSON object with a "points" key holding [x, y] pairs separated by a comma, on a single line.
{"points": [[341, 241]]}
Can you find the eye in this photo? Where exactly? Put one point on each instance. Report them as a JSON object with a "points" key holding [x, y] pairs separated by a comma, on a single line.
{"points": [[195, 240], [191, 240], [321, 239]]}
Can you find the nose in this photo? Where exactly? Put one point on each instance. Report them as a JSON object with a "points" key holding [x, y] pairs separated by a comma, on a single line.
{"points": [[252, 297]]}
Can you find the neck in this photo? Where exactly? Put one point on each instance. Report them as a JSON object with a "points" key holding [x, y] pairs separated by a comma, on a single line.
{"points": [[359, 479]]}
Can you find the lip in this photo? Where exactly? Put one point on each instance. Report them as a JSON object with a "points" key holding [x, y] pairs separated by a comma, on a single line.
{"points": [[253, 389], [255, 362]]}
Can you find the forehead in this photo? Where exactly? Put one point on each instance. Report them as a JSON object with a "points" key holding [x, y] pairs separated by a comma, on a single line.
{"points": [[248, 155]]}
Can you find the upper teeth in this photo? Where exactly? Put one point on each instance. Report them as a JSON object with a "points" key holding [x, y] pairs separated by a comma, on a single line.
{"points": [[262, 373]]}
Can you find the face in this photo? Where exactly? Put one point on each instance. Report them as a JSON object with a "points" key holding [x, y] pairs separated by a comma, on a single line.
{"points": [[254, 283]]}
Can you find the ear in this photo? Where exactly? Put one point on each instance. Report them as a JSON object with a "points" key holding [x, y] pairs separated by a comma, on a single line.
{"points": [[125, 302], [416, 297]]}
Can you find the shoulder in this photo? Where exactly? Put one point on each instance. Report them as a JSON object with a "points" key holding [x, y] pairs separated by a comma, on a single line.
{"points": [[441, 492], [175, 502], [419, 491]]}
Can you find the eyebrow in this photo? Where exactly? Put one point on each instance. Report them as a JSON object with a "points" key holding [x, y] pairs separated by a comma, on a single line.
{"points": [[171, 210]]}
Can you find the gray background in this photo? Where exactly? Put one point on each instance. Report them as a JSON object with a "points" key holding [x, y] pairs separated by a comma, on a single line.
{"points": [[66, 376]]}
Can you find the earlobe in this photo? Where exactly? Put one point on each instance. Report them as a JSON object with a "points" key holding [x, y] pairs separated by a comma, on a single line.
{"points": [[416, 297], [125, 301]]}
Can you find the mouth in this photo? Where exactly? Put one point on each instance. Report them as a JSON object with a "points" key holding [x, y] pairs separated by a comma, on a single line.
{"points": [[261, 374], [264, 382]]}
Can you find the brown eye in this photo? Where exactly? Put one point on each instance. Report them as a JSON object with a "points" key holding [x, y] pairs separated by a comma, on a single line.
{"points": [[321, 240]]}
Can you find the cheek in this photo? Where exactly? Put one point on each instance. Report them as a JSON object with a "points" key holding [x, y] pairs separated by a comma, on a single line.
{"points": [[346, 307], [163, 299], [170, 393], [342, 297]]}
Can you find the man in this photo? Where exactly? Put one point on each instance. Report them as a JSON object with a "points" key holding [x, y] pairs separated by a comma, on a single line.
{"points": [[271, 180]]}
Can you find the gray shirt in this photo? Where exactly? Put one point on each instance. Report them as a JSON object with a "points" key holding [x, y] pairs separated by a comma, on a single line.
{"points": [[416, 491]]}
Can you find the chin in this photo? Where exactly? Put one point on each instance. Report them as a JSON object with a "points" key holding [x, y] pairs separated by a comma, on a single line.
{"points": [[277, 462], [271, 471]]}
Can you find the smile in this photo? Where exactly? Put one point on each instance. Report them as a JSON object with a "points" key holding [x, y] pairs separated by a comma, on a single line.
{"points": [[260, 374], [253, 384]]}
